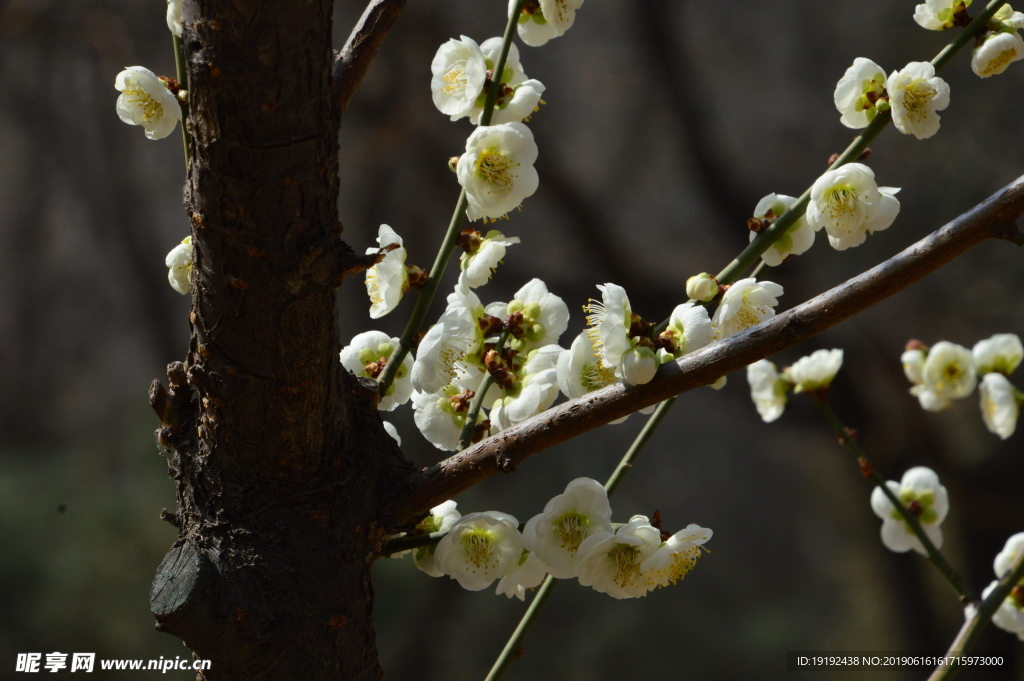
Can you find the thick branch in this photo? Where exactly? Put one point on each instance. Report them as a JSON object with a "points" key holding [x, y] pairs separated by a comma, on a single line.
{"points": [[992, 218], [354, 59]]}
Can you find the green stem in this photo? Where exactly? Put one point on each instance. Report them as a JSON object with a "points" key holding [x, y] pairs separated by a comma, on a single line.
{"points": [[514, 648], [451, 238], [638, 444], [972, 29], [181, 73], [407, 542], [936, 557], [975, 624], [469, 429]]}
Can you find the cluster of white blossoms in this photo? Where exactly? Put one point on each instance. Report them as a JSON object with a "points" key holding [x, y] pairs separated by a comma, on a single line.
{"points": [[1010, 615], [924, 497], [542, 20], [573, 537], [997, 46], [947, 371], [914, 95], [812, 374]]}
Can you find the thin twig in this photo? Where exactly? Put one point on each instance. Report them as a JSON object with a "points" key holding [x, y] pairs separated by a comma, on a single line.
{"points": [[989, 219], [469, 428], [354, 59], [978, 620], [181, 73], [963, 591]]}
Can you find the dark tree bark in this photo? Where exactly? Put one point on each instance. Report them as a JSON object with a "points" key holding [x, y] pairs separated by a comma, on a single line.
{"points": [[280, 456]]}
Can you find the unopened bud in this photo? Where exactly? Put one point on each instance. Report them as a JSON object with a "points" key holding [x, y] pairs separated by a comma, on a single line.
{"points": [[639, 365], [453, 163], [183, 96], [702, 287]]}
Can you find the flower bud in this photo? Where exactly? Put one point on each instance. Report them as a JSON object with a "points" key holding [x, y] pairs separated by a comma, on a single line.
{"points": [[639, 365], [702, 287]]}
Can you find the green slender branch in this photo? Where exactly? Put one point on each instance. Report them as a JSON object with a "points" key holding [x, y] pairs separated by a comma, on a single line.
{"points": [[451, 237], [469, 428], [630, 457], [868, 469], [977, 621], [972, 29], [181, 73], [514, 648], [406, 542]]}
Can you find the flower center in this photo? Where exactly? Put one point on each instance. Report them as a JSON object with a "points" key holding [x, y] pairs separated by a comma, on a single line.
{"points": [[572, 530], [596, 375], [455, 78], [151, 109], [479, 548], [626, 558], [1001, 61], [840, 200], [496, 169], [951, 375], [682, 563], [917, 98]]}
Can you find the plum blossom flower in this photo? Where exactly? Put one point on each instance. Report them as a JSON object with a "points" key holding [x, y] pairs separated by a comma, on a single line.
{"points": [[767, 389], [518, 96], [747, 303], [937, 15], [542, 20], [922, 494], [1002, 353], [480, 548], [816, 371], [1000, 404], [367, 354], [948, 371], [480, 262], [1010, 615], [581, 370], [528, 575], [568, 519], [534, 392], [849, 205], [611, 562], [146, 101], [174, 16], [610, 321], [458, 75], [1001, 45], [545, 316], [797, 239], [440, 519], [860, 93], [913, 364], [676, 557], [916, 94], [388, 280], [441, 416], [455, 337], [179, 263], [497, 169], [689, 329], [1004, 559]]}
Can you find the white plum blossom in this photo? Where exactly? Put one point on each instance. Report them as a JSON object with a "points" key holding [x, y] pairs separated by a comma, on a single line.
{"points": [[174, 8], [367, 354], [816, 371], [1010, 615], [388, 280], [859, 92], [179, 263], [390, 429], [1004, 559], [440, 519], [441, 416], [689, 329], [937, 15], [916, 94], [1002, 353], [455, 337], [611, 562], [481, 263], [458, 74], [1000, 404], [545, 316], [581, 370], [702, 287], [556, 535], [675, 557], [497, 169], [767, 389], [948, 371], [535, 391], [146, 101], [747, 303], [609, 322], [543, 20], [924, 496], [518, 97], [528, 575], [1001, 45], [913, 364], [480, 548], [797, 239], [849, 205]]}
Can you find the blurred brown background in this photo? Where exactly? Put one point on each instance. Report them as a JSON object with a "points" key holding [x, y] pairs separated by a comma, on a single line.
{"points": [[665, 122]]}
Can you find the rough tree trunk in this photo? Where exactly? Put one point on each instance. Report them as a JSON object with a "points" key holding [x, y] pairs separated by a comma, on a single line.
{"points": [[279, 454]]}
